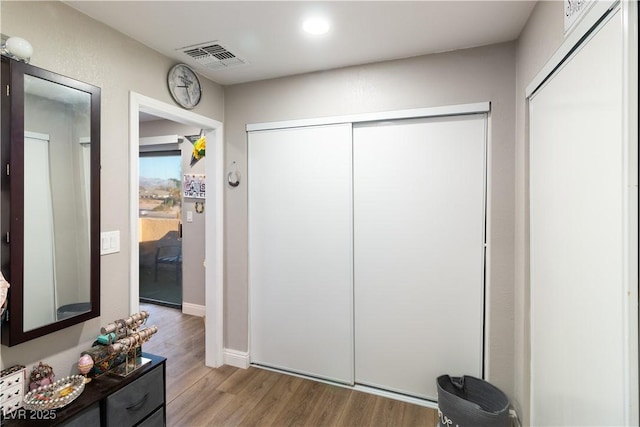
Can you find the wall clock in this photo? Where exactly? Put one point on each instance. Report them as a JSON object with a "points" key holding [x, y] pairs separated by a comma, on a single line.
{"points": [[184, 86]]}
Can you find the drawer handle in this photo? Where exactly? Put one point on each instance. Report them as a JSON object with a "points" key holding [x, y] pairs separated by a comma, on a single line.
{"points": [[135, 406]]}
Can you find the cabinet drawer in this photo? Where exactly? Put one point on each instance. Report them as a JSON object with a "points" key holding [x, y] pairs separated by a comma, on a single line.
{"points": [[155, 420], [11, 380], [10, 405], [88, 417], [10, 392], [135, 401]]}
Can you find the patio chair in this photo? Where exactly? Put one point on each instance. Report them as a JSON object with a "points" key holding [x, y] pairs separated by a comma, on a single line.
{"points": [[171, 255]]}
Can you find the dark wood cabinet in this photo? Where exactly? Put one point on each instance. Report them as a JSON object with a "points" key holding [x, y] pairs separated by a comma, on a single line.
{"points": [[138, 399]]}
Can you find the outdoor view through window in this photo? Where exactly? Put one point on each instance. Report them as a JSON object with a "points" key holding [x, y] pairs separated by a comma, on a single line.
{"points": [[160, 207]]}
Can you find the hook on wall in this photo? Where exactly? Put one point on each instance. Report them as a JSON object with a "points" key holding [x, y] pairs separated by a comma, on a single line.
{"points": [[233, 177]]}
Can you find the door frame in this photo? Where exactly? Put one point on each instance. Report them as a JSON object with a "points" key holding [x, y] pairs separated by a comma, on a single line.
{"points": [[214, 240]]}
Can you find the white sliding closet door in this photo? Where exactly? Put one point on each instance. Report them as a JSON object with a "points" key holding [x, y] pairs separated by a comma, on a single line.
{"points": [[300, 250], [579, 365], [419, 209]]}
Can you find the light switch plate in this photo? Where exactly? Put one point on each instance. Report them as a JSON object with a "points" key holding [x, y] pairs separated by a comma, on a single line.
{"points": [[109, 242]]}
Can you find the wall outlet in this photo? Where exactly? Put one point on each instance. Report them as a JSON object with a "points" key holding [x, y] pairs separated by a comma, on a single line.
{"points": [[109, 242]]}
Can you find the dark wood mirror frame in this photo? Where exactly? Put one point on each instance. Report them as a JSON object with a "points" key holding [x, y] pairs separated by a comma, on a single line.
{"points": [[12, 197]]}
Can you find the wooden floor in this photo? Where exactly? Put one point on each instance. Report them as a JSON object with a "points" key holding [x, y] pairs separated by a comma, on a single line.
{"points": [[228, 396]]}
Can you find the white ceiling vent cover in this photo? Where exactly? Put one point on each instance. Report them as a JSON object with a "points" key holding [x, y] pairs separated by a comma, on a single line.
{"points": [[212, 55]]}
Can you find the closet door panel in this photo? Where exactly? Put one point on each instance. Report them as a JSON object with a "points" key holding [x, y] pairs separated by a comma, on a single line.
{"points": [[419, 203], [577, 238], [300, 250]]}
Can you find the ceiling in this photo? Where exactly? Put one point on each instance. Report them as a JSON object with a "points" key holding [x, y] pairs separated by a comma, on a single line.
{"points": [[268, 35]]}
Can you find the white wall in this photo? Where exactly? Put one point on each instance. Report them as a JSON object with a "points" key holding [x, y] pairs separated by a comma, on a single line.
{"points": [[541, 37], [466, 76], [69, 43]]}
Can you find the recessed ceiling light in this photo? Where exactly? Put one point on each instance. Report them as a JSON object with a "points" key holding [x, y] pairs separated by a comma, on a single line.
{"points": [[316, 26]]}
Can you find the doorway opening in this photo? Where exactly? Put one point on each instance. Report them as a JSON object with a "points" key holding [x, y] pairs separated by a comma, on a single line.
{"points": [[160, 219], [213, 214]]}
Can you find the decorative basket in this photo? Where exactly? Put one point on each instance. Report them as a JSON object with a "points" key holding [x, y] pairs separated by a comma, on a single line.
{"points": [[56, 395]]}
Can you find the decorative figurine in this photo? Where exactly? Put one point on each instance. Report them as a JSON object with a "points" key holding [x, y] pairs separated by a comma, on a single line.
{"points": [[41, 375], [85, 363]]}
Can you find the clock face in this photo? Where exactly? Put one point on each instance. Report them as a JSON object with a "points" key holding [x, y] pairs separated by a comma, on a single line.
{"points": [[184, 86]]}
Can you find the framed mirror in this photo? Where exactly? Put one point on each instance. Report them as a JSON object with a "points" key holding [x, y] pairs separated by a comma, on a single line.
{"points": [[50, 201]]}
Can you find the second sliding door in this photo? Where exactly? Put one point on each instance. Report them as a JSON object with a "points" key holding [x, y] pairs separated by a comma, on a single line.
{"points": [[418, 251]]}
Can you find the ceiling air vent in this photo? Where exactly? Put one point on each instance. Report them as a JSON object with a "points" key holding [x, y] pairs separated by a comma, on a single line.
{"points": [[212, 55]]}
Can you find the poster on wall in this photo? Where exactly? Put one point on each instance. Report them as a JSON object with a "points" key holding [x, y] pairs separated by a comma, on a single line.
{"points": [[194, 186]]}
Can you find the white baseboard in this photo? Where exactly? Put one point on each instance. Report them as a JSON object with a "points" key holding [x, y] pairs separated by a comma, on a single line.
{"points": [[515, 420], [396, 396], [239, 359], [193, 309], [359, 387]]}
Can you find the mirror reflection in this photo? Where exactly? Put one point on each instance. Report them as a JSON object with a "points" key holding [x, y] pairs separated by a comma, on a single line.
{"points": [[57, 178]]}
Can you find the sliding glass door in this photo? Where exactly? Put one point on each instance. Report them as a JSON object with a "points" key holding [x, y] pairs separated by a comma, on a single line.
{"points": [[160, 207]]}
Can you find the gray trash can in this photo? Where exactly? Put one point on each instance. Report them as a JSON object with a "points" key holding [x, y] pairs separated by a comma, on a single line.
{"points": [[471, 402]]}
